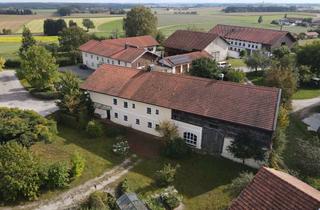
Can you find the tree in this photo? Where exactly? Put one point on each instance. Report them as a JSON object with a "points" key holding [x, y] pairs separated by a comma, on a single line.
{"points": [[168, 130], [71, 39], [71, 98], [204, 67], [280, 52], [260, 20], [58, 175], [53, 27], [239, 183], [140, 21], [40, 68], [283, 76], [27, 41], [2, 63], [258, 60], [88, 23], [64, 11], [166, 175], [235, 75], [245, 147], [160, 37], [19, 173], [72, 23], [309, 55]]}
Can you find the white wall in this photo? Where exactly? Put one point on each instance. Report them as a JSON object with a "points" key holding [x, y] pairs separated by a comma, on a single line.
{"points": [[140, 112], [225, 153], [220, 46], [94, 61]]}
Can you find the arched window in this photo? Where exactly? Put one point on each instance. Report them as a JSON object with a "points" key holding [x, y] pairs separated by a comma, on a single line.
{"points": [[190, 138]]}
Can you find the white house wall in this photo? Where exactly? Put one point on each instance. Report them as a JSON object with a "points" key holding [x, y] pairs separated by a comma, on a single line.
{"points": [[218, 46], [94, 61], [140, 112]]}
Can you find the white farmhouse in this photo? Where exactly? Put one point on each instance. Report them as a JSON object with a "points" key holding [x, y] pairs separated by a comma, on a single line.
{"points": [[209, 114], [137, 52]]}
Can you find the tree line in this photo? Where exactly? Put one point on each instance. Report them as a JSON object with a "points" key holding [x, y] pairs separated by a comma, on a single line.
{"points": [[233, 9], [16, 12]]}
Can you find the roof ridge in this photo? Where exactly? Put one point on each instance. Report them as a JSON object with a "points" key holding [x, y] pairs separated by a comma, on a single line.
{"points": [[270, 171], [251, 28]]}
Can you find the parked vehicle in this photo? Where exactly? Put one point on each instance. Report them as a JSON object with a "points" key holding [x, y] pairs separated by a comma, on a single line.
{"points": [[223, 64]]}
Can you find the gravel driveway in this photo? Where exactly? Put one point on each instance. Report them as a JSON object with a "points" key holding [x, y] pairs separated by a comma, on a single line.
{"points": [[12, 94]]}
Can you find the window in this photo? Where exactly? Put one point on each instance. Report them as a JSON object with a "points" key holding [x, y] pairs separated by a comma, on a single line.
{"points": [[149, 125], [190, 138], [244, 44], [137, 121], [97, 58], [157, 112], [157, 126], [115, 115], [112, 62], [231, 42], [125, 104], [249, 45], [148, 110], [91, 56], [125, 118], [133, 106], [108, 61], [256, 46], [118, 62], [115, 101], [236, 43]]}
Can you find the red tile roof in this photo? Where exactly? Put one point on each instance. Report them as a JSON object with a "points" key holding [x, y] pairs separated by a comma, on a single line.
{"points": [[272, 189], [257, 35], [184, 58], [242, 104], [189, 40], [124, 49]]}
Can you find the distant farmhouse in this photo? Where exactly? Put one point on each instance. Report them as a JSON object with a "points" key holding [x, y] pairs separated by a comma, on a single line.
{"points": [[272, 189], [252, 39], [209, 114], [180, 64], [137, 52], [184, 41]]}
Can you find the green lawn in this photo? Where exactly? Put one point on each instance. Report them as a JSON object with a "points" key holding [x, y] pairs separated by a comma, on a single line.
{"points": [[109, 28], [201, 179], [97, 153], [236, 63], [9, 50], [306, 93]]}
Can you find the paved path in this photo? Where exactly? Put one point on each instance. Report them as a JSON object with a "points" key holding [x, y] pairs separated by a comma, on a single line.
{"points": [[82, 73], [13, 94], [298, 105], [73, 197]]}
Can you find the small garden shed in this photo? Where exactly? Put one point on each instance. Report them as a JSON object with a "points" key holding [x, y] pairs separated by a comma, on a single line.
{"points": [[130, 201]]}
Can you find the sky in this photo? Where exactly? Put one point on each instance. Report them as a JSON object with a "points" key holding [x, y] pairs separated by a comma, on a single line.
{"points": [[171, 1]]}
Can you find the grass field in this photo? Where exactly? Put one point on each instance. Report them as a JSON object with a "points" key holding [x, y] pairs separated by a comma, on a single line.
{"points": [[18, 38], [306, 93], [97, 153], [36, 26], [308, 41]]}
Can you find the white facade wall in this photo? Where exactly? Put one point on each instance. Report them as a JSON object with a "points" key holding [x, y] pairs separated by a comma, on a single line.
{"points": [[225, 153], [140, 112], [218, 49], [236, 46], [94, 61]]}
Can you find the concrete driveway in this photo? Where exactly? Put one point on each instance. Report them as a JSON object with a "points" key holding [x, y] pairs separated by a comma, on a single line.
{"points": [[13, 94]]}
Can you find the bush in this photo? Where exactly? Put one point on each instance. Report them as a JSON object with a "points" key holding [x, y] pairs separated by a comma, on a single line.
{"points": [[58, 175], [12, 64], [94, 129], [176, 148], [171, 198], [65, 61], [166, 175], [96, 201], [122, 147], [235, 76], [46, 95], [239, 183], [19, 172], [123, 187], [77, 165], [168, 130], [67, 119]]}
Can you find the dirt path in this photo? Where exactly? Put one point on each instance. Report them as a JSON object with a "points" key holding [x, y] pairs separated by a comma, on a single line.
{"points": [[76, 195]]}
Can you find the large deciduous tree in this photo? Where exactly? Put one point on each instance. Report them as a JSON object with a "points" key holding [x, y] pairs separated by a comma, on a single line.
{"points": [[19, 173], [309, 55], [71, 39], [53, 27], [39, 68], [140, 21], [88, 23], [27, 41], [258, 60], [204, 67]]}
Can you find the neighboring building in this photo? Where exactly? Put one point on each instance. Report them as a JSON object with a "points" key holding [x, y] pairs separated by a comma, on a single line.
{"points": [[311, 35], [130, 201], [252, 39], [179, 64], [137, 52], [209, 113], [272, 189], [183, 41]]}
